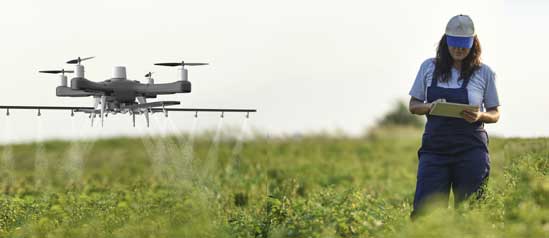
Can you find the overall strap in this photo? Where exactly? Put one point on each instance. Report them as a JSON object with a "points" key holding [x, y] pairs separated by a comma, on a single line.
{"points": [[465, 82], [434, 82]]}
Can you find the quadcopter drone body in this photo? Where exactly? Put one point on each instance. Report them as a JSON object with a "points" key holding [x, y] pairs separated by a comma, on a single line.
{"points": [[121, 95]]}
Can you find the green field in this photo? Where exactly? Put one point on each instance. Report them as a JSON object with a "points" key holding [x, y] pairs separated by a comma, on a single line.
{"points": [[307, 186]]}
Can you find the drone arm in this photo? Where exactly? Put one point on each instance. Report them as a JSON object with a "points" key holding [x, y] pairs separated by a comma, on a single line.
{"points": [[87, 85], [63, 91], [164, 88]]}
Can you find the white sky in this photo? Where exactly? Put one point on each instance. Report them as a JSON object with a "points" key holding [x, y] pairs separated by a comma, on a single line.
{"points": [[305, 65]]}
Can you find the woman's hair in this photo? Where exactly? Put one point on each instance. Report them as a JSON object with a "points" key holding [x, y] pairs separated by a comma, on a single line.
{"points": [[444, 61]]}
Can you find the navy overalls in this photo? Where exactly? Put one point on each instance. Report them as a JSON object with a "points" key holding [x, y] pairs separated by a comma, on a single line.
{"points": [[453, 154]]}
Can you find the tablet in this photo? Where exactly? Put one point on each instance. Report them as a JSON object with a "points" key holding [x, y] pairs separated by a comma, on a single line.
{"points": [[448, 109]]}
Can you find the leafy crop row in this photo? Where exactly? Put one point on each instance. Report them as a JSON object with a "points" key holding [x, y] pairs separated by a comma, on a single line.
{"points": [[308, 186]]}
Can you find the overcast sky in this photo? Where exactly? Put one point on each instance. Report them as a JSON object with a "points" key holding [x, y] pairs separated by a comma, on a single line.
{"points": [[305, 65]]}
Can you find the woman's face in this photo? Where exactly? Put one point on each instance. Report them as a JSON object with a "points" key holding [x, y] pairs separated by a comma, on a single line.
{"points": [[458, 54]]}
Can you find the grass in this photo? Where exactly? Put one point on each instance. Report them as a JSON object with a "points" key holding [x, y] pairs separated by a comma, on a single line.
{"points": [[310, 186]]}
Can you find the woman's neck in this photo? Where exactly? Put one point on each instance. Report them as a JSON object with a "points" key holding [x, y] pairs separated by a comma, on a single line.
{"points": [[457, 64]]}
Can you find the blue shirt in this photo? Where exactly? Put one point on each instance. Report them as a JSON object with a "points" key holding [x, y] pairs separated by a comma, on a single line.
{"points": [[481, 89]]}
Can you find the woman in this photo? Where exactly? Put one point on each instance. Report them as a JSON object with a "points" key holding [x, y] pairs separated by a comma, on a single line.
{"points": [[454, 151]]}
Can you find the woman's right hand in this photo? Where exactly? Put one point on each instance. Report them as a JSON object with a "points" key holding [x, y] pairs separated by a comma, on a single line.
{"points": [[420, 108], [435, 102]]}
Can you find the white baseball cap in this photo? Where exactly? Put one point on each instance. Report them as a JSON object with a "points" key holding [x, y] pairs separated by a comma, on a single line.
{"points": [[460, 32]]}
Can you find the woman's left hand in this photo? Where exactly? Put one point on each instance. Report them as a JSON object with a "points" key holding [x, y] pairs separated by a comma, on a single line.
{"points": [[471, 116]]}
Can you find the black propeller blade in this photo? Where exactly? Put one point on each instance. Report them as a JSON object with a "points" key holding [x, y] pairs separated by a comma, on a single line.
{"points": [[148, 75], [62, 71], [168, 64], [195, 64], [78, 60], [182, 63]]}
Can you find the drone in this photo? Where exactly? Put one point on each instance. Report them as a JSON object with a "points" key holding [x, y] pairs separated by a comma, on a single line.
{"points": [[119, 95]]}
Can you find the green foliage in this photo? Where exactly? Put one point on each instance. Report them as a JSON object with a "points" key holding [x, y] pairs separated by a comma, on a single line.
{"points": [[401, 116], [313, 186]]}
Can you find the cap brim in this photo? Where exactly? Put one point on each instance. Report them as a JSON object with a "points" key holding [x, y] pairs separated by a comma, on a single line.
{"points": [[460, 42]]}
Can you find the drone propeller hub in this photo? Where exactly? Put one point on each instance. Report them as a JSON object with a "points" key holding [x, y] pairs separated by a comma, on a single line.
{"points": [[79, 71], [184, 74], [63, 80]]}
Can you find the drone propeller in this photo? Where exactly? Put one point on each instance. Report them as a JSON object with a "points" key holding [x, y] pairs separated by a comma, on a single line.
{"points": [[78, 60], [182, 63], [62, 71], [148, 75]]}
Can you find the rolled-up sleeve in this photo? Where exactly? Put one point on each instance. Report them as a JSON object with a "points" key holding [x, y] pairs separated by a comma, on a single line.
{"points": [[491, 98], [418, 88]]}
